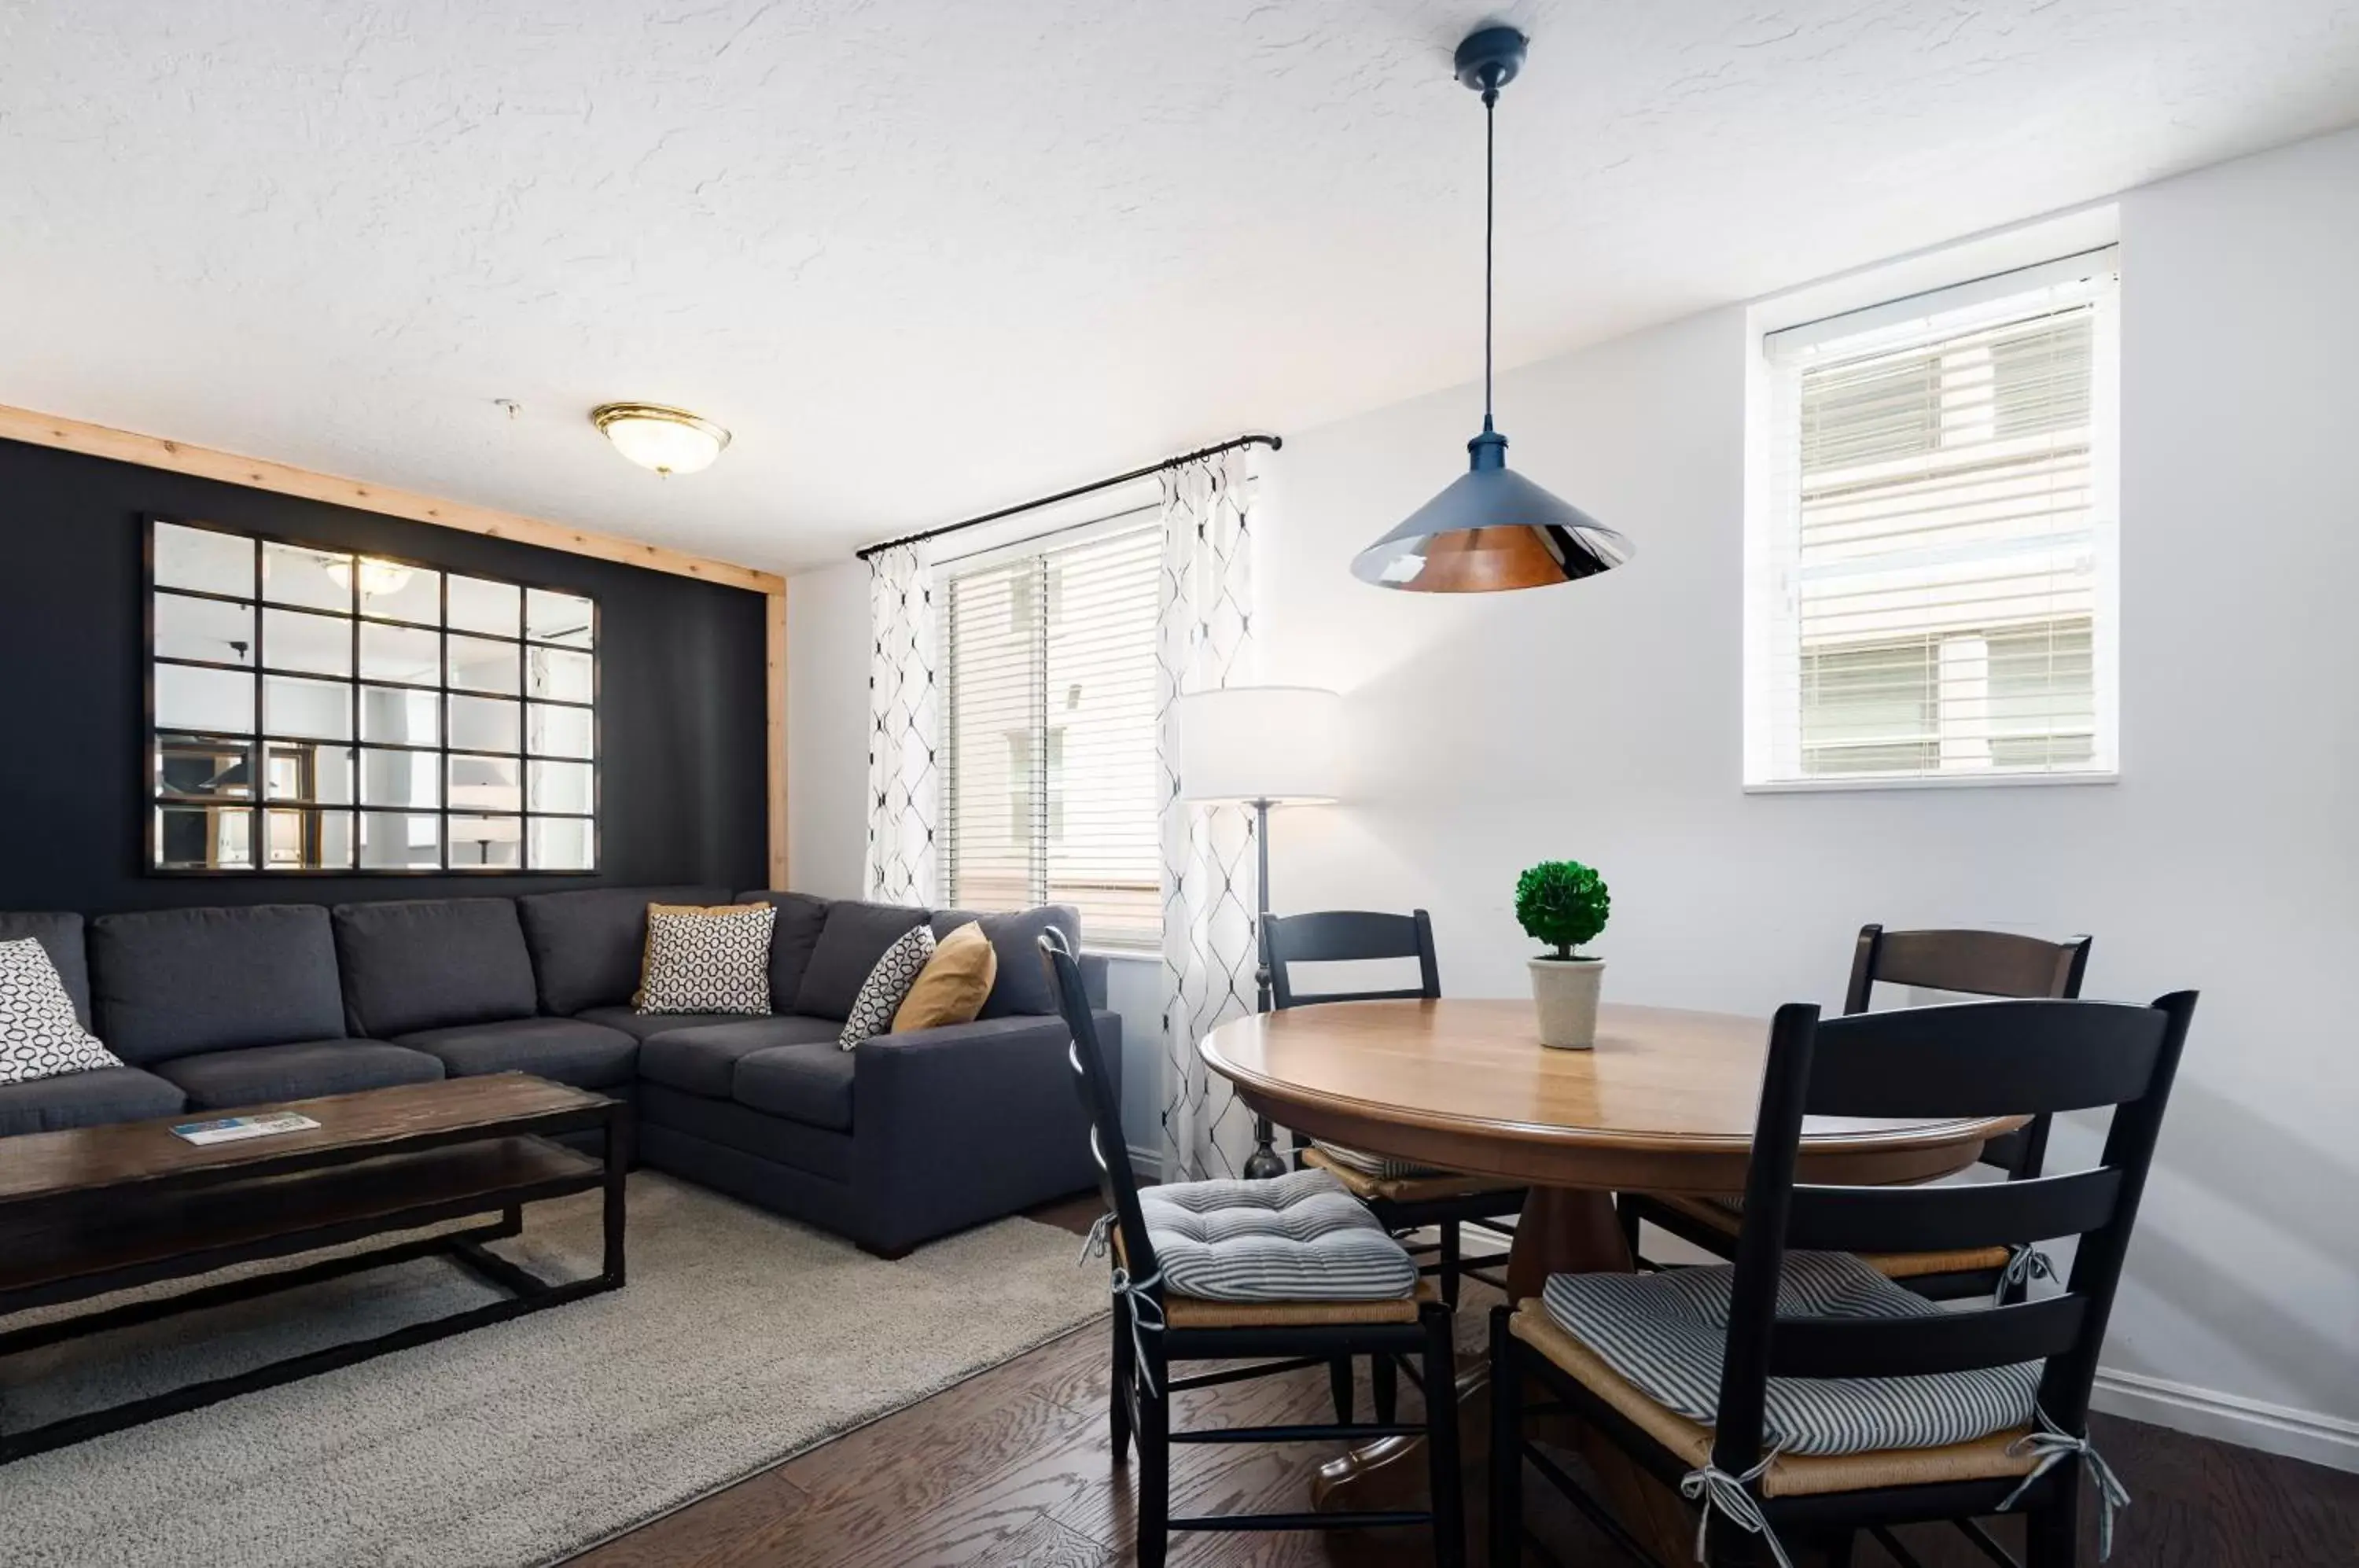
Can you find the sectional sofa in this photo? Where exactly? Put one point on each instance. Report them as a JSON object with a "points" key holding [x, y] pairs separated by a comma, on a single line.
{"points": [[906, 1138]]}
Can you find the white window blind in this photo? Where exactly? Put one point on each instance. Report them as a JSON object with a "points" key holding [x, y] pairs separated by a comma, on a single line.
{"points": [[1050, 787], [1931, 551]]}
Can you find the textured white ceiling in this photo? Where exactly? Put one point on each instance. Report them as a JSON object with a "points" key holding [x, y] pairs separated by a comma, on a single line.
{"points": [[929, 256]]}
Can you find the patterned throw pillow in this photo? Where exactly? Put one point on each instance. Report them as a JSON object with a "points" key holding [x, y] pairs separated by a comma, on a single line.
{"points": [[706, 959], [39, 1036], [881, 993]]}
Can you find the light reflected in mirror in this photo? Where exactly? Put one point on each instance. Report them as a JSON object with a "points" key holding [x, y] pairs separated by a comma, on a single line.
{"points": [[204, 838], [204, 768], [560, 787], [203, 629], [321, 775], [410, 655], [204, 560], [400, 592], [391, 841], [477, 665], [486, 783], [314, 710], [550, 616], [558, 675], [400, 718], [307, 841], [317, 645], [561, 844], [558, 732], [491, 608], [401, 779], [215, 700], [314, 579], [486, 841], [484, 723]]}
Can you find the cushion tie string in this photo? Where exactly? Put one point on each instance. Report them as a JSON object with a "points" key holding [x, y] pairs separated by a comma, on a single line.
{"points": [[1146, 1311], [2053, 1444], [1719, 1489], [2023, 1264]]}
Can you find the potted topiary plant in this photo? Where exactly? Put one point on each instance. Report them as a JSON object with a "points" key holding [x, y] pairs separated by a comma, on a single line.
{"points": [[1564, 903]]}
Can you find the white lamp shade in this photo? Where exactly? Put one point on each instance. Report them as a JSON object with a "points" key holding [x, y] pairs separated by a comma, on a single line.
{"points": [[1280, 744]]}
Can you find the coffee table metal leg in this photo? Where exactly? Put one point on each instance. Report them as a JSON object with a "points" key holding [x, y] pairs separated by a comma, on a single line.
{"points": [[618, 1170]]}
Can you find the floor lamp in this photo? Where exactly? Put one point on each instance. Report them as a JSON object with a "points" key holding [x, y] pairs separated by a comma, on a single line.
{"points": [[1260, 746]]}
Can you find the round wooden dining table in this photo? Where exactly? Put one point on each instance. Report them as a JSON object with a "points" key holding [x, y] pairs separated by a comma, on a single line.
{"points": [[1664, 1103]]}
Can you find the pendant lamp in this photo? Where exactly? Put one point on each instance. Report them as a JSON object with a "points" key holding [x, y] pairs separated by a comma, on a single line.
{"points": [[1491, 529]]}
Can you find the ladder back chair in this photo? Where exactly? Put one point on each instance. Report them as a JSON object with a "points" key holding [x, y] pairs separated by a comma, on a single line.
{"points": [[1403, 1195], [1969, 963], [1941, 1414], [1156, 1327]]}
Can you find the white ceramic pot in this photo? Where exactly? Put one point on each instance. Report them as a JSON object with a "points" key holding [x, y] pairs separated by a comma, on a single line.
{"points": [[1565, 990]]}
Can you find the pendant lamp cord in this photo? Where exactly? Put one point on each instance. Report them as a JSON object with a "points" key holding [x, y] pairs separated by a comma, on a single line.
{"points": [[1490, 201]]}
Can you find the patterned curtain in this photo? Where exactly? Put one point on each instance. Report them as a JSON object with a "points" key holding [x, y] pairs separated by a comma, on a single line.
{"points": [[1205, 639], [905, 726]]}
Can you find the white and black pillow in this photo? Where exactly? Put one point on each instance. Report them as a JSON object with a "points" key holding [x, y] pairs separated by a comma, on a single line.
{"points": [[39, 1036], [707, 960], [887, 987]]}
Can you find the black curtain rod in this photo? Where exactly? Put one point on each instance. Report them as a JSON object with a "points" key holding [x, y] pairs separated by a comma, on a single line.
{"points": [[1273, 442]]}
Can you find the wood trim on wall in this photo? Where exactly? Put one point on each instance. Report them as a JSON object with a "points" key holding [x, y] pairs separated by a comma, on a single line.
{"points": [[260, 473]]}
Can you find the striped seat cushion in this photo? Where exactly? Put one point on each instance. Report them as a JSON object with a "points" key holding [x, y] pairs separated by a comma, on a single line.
{"points": [[1300, 1237], [1382, 1166], [1664, 1332]]}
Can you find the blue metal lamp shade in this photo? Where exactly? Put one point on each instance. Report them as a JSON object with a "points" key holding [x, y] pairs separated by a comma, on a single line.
{"points": [[1491, 530]]}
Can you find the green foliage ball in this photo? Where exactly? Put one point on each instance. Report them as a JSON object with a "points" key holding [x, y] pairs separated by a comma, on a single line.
{"points": [[1562, 903]]}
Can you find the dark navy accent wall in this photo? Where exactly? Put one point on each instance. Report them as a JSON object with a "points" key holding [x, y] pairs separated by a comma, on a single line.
{"points": [[682, 792]]}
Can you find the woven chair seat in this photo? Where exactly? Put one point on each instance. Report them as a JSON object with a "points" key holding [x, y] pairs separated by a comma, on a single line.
{"points": [[1365, 1185], [1724, 1215]]}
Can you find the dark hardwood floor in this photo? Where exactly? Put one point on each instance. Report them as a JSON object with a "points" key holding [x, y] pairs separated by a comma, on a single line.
{"points": [[1011, 1469]]}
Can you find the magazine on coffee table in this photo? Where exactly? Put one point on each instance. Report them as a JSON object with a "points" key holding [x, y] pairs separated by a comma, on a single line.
{"points": [[229, 1129]]}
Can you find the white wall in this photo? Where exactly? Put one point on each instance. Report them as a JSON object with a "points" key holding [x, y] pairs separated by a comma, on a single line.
{"points": [[1603, 721]]}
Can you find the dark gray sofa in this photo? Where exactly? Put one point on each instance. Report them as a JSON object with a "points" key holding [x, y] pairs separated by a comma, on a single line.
{"points": [[907, 1138]]}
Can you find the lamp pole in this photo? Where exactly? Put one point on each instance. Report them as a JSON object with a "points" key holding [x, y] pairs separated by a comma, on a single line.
{"points": [[1265, 1161]]}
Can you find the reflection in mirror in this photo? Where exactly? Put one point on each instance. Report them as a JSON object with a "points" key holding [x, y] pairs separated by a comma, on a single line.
{"points": [[410, 655], [204, 838], [393, 842], [314, 579], [204, 629], [317, 645], [321, 710], [561, 787], [400, 718], [490, 608], [484, 723], [558, 617], [399, 592], [480, 666], [202, 768], [558, 675], [307, 841], [486, 841], [204, 560], [218, 701], [322, 775], [558, 731], [561, 844], [486, 783], [401, 779]]}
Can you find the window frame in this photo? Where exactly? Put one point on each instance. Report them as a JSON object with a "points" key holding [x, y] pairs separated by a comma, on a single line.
{"points": [[260, 740], [1771, 652]]}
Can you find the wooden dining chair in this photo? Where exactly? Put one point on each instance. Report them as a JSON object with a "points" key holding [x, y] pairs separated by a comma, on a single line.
{"points": [[1800, 1398], [1967, 962], [1291, 1267], [1403, 1195]]}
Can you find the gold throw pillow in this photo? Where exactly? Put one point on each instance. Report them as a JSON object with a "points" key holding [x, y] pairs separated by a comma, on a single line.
{"points": [[952, 985]]}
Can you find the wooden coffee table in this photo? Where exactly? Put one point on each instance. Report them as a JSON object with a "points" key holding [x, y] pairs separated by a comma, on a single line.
{"points": [[94, 1210]]}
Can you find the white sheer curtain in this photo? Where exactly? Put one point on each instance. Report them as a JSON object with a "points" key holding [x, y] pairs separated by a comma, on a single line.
{"points": [[1205, 638], [905, 728]]}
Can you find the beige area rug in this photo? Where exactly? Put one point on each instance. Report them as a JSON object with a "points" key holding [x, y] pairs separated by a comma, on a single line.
{"points": [[741, 1339]]}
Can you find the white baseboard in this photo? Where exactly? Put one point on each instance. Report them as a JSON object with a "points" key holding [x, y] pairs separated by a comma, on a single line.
{"points": [[1147, 1162], [2231, 1417]]}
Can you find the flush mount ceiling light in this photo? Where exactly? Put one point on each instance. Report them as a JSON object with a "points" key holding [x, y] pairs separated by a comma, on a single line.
{"points": [[1491, 529], [669, 440], [378, 578]]}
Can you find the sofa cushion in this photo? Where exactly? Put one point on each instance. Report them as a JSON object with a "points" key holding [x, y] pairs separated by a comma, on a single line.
{"points": [[807, 1083], [888, 986], [707, 958], [704, 1061], [854, 938], [86, 1099], [588, 1056], [40, 1035], [62, 937], [647, 1025], [952, 986], [298, 1071], [586, 944], [426, 963], [175, 982], [1023, 983], [800, 920]]}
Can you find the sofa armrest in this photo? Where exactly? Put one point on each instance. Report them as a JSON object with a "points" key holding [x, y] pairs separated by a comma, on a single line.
{"points": [[966, 1123]]}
